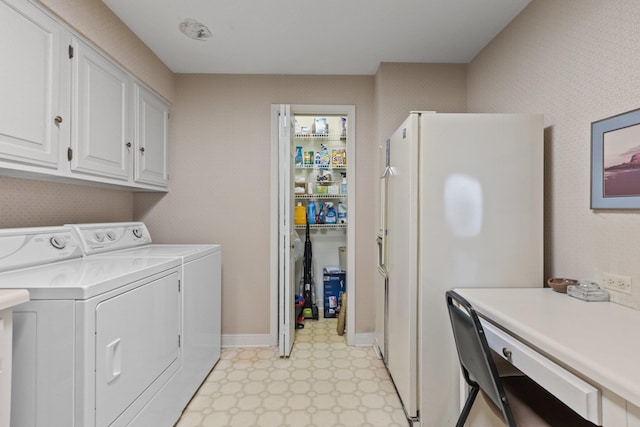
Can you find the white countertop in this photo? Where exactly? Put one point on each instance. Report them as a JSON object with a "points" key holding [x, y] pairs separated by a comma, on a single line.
{"points": [[598, 341], [11, 297]]}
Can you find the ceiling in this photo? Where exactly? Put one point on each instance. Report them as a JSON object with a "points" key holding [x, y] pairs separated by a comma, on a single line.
{"points": [[324, 37]]}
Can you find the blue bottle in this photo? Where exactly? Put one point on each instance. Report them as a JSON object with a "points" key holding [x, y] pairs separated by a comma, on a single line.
{"points": [[311, 212], [330, 216], [298, 159]]}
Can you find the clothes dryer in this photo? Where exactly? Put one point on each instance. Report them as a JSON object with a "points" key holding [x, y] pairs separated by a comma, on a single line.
{"points": [[100, 336], [201, 292]]}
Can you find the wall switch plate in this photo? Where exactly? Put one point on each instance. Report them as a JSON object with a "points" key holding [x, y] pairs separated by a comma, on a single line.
{"points": [[616, 282]]}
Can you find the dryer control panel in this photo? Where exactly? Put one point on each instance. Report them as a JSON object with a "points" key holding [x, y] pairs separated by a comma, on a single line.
{"points": [[25, 247], [112, 236]]}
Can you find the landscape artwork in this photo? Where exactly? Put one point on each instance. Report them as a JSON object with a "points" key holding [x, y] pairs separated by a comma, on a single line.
{"points": [[621, 162], [615, 162]]}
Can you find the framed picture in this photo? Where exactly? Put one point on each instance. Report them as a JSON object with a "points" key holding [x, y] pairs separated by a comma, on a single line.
{"points": [[615, 162]]}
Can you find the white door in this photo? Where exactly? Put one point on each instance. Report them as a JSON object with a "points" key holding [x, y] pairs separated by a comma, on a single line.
{"points": [[101, 134], [402, 259], [30, 96], [286, 267], [151, 137]]}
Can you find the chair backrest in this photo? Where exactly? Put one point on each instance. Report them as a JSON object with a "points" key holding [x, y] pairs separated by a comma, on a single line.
{"points": [[474, 353]]}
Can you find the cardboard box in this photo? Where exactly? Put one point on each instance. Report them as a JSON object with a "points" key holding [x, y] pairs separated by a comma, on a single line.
{"points": [[335, 284]]}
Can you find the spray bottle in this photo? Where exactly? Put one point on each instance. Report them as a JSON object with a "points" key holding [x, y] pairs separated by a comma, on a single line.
{"points": [[330, 216]]}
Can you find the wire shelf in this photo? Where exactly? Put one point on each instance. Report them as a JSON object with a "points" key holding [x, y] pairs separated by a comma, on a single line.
{"points": [[321, 226]]}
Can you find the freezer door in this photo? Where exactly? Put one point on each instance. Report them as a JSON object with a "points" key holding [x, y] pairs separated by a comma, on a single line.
{"points": [[401, 263], [381, 284]]}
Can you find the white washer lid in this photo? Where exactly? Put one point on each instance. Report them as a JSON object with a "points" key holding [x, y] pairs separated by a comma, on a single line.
{"points": [[186, 252], [83, 278]]}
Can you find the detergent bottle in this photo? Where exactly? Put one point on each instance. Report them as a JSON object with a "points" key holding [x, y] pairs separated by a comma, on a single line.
{"points": [[342, 214], [330, 216], [300, 214]]}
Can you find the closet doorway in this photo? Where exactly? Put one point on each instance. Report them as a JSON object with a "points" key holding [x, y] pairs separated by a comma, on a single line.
{"points": [[313, 174]]}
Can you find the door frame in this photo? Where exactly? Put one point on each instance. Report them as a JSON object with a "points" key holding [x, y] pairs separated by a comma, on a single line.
{"points": [[348, 111]]}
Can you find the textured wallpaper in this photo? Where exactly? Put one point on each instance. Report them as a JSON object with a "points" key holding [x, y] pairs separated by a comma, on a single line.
{"points": [[576, 62], [30, 203]]}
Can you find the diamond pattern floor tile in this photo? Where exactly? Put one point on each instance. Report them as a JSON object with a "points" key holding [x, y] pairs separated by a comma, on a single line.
{"points": [[324, 383]]}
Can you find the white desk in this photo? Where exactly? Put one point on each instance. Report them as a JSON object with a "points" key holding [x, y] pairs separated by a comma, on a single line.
{"points": [[598, 342], [8, 299]]}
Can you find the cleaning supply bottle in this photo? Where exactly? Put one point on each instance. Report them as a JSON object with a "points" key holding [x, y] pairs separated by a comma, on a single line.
{"points": [[321, 214], [300, 214], [298, 159], [330, 216], [311, 212], [325, 159], [343, 186], [342, 214]]}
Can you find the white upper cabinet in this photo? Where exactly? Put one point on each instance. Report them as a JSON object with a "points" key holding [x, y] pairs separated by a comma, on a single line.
{"points": [[70, 113], [101, 104], [151, 137], [33, 104]]}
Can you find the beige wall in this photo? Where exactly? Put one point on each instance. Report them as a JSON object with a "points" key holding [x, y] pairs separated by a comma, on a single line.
{"points": [[576, 62], [405, 87], [220, 171], [25, 203]]}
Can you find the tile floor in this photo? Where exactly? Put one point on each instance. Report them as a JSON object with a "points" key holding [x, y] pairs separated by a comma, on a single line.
{"points": [[324, 383]]}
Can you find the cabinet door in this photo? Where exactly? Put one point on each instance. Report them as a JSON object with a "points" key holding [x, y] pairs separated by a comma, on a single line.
{"points": [[151, 137], [30, 48], [100, 137]]}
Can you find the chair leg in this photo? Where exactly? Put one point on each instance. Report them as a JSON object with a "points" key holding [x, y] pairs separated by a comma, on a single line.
{"points": [[467, 405]]}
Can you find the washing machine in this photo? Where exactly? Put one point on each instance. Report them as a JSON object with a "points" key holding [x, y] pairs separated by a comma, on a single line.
{"points": [[201, 293], [99, 338]]}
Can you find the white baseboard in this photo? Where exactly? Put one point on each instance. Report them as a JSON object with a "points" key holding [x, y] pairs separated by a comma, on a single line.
{"points": [[364, 340], [266, 340]]}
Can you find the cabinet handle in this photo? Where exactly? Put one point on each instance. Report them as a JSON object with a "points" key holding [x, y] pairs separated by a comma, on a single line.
{"points": [[128, 145], [142, 149], [507, 353], [58, 120]]}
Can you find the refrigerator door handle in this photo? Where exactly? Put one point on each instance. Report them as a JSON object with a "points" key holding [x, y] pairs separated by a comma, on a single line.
{"points": [[381, 267], [387, 168]]}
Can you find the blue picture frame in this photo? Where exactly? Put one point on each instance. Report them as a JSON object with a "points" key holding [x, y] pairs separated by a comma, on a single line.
{"points": [[615, 162]]}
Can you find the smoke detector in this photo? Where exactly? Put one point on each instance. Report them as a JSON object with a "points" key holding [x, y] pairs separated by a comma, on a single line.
{"points": [[194, 29]]}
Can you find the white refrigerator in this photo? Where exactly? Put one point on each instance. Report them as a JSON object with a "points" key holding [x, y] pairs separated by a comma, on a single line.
{"points": [[461, 205]]}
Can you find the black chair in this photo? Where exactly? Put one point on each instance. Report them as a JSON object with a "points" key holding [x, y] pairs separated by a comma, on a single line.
{"points": [[516, 399]]}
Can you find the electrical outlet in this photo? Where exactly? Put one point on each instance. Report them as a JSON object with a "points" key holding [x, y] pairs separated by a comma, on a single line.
{"points": [[616, 282]]}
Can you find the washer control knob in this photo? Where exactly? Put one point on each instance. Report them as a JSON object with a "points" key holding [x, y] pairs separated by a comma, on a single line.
{"points": [[137, 232], [57, 242], [98, 236], [111, 235]]}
